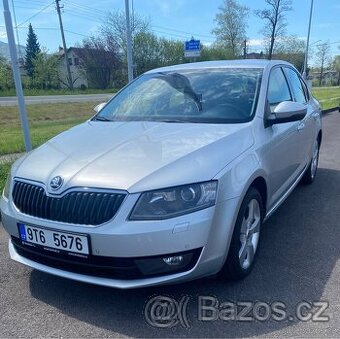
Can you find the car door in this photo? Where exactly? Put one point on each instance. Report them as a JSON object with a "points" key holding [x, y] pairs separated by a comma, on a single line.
{"points": [[307, 127], [281, 155]]}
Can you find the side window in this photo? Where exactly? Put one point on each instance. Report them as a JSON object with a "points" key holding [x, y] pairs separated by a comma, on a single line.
{"points": [[278, 89], [296, 85]]}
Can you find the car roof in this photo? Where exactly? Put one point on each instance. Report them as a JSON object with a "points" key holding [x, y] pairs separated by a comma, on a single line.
{"points": [[243, 63]]}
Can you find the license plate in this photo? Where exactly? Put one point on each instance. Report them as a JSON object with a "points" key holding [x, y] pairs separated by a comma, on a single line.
{"points": [[53, 239]]}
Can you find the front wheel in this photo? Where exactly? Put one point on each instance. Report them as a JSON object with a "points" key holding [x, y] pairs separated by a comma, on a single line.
{"points": [[246, 236], [310, 173]]}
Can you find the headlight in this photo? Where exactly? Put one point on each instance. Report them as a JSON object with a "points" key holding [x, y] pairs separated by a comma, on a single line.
{"points": [[174, 201], [6, 191]]}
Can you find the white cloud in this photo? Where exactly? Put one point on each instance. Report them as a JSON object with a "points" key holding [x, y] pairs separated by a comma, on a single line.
{"points": [[256, 42], [167, 7], [325, 25], [206, 43]]}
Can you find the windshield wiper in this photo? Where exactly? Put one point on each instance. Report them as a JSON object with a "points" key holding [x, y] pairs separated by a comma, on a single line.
{"points": [[101, 118]]}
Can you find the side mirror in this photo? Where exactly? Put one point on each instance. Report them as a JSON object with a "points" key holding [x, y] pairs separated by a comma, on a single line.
{"points": [[99, 107], [287, 111]]}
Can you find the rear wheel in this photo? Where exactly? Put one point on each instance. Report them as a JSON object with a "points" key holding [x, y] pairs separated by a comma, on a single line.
{"points": [[246, 236], [311, 171]]}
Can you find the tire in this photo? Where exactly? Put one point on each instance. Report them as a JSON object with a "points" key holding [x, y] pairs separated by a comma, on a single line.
{"points": [[246, 236], [310, 174]]}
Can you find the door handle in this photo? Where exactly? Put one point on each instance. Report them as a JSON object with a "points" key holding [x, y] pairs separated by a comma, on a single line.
{"points": [[301, 126]]}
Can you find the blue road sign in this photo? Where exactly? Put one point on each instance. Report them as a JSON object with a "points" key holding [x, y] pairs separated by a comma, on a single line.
{"points": [[192, 48], [192, 45]]}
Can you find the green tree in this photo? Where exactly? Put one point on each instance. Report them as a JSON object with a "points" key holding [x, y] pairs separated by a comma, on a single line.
{"points": [[291, 49], [172, 52], [336, 67], [45, 71], [231, 26], [147, 52], [32, 50], [323, 59], [6, 79], [215, 52], [275, 19]]}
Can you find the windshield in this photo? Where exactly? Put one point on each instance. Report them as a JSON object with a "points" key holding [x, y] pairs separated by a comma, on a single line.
{"points": [[208, 96]]}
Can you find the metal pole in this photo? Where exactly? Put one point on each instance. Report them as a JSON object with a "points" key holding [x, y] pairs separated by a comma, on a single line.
{"points": [[69, 76], [129, 43], [16, 29], [16, 76], [304, 74]]}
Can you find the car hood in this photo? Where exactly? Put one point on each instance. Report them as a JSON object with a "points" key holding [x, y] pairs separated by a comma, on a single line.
{"points": [[136, 156]]}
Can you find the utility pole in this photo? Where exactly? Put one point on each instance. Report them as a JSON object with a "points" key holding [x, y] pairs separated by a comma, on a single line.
{"points": [[16, 76], [69, 76], [129, 43], [304, 74]]}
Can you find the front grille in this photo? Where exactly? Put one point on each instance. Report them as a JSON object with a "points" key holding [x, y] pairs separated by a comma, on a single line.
{"points": [[76, 207]]}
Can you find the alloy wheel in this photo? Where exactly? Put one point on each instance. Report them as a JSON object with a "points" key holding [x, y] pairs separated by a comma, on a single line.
{"points": [[250, 233]]}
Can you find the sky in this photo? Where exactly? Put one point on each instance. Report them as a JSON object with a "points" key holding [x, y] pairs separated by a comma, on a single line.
{"points": [[177, 19]]}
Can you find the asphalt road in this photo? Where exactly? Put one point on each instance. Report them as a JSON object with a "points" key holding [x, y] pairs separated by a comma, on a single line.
{"points": [[298, 261], [53, 99]]}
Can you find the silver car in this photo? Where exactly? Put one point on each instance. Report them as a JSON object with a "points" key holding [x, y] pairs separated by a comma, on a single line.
{"points": [[170, 181]]}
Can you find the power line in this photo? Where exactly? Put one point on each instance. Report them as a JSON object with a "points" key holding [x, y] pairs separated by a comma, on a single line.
{"points": [[82, 16], [34, 15], [189, 33], [87, 13], [80, 10], [87, 7]]}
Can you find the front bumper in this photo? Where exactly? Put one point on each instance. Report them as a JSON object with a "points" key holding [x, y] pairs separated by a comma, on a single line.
{"points": [[207, 232]]}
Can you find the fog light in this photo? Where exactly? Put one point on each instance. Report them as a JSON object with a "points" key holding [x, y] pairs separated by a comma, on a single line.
{"points": [[173, 261], [168, 263]]}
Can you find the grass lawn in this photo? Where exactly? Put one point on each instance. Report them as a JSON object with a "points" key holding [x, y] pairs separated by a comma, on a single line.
{"points": [[46, 121], [4, 169], [32, 92], [328, 96]]}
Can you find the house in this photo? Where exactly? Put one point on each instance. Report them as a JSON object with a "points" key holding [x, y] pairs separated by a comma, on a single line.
{"points": [[77, 73]]}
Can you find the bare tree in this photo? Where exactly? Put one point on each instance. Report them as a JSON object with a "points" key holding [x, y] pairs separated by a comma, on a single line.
{"points": [[98, 57], [323, 58], [275, 21], [231, 26], [114, 27]]}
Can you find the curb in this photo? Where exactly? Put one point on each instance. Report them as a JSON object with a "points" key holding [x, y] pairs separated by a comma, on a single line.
{"points": [[329, 110]]}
